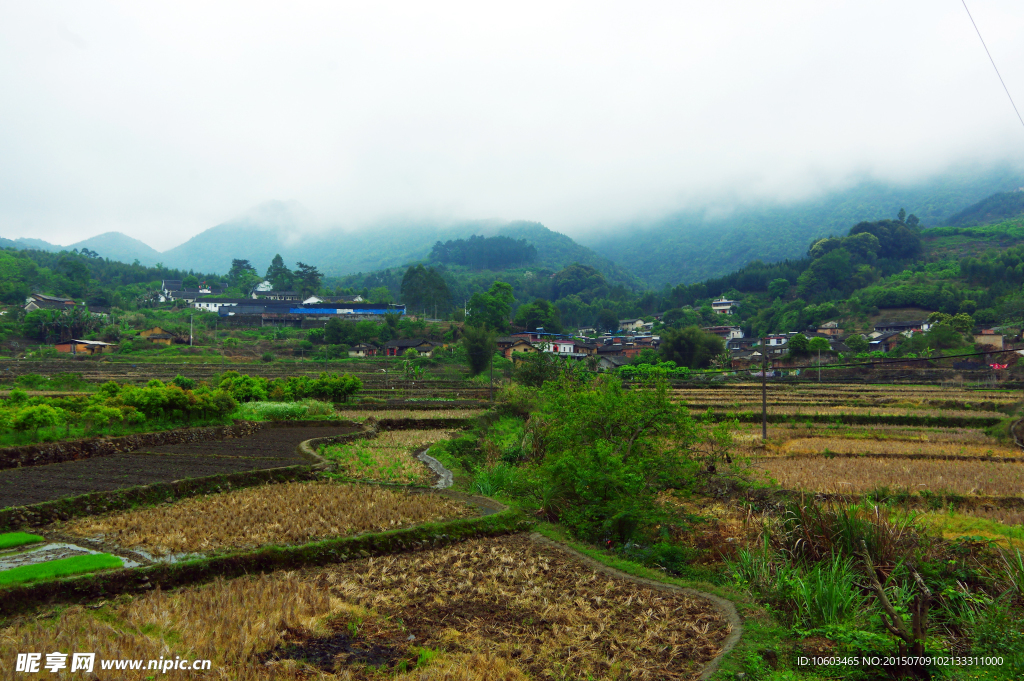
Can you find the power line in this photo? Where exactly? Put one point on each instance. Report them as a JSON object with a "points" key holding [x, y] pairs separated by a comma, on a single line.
{"points": [[993, 62]]}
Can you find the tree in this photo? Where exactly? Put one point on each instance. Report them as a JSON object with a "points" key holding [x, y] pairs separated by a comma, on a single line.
{"points": [[279, 276], [36, 417], [491, 309], [239, 268], [308, 278], [380, 294], [540, 314], [340, 331], [607, 320], [191, 282], [778, 288], [690, 347], [423, 288], [798, 345], [857, 343], [480, 346], [818, 344]]}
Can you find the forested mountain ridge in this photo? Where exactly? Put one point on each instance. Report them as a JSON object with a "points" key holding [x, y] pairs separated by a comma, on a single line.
{"points": [[995, 208], [691, 247]]}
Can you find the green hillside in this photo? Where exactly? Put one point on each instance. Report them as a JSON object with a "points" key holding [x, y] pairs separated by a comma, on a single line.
{"points": [[995, 208], [690, 247]]}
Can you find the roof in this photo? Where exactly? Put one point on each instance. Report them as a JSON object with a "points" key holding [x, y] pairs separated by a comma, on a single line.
{"points": [[369, 346], [899, 325], [83, 342], [407, 343], [52, 299], [629, 321], [616, 360]]}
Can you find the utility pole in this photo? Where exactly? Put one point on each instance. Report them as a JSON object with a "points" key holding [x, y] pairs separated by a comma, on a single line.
{"points": [[764, 389], [190, 330]]}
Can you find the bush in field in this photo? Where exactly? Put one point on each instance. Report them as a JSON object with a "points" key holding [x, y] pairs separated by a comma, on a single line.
{"points": [[243, 387], [97, 417], [606, 455], [17, 397], [35, 417], [183, 382]]}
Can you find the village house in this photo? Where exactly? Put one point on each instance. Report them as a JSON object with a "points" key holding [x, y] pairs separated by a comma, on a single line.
{"points": [[989, 338], [40, 301], [631, 324], [886, 342], [396, 348], [84, 347], [278, 295], [726, 333], [724, 306], [215, 304], [157, 335], [609, 362], [509, 344], [830, 329], [907, 328], [363, 350]]}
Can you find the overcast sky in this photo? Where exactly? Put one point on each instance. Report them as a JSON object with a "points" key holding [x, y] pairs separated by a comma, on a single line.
{"points": [[161, 119]]}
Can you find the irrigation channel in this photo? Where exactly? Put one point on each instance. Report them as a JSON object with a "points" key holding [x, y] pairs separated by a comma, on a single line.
{"points": [[64, 502]]}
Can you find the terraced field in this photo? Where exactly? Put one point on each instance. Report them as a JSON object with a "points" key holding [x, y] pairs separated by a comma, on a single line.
{"points": [[502, 609], [291, 513], [940, 456]]}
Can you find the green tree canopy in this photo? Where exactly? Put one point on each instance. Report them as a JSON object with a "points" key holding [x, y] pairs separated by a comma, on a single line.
{"points": [[690, 347], [479, 344], [493, 308], [539, 314]]}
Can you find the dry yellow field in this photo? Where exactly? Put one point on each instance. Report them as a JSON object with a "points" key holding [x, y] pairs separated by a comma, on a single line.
{"points": [[864, 474], [500, 609], [362, 415], [290, 513], [809, 446]]}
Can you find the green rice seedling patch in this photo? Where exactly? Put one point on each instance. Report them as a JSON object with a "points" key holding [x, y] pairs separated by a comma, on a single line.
{"points": [[10, 540], [63, 567]]}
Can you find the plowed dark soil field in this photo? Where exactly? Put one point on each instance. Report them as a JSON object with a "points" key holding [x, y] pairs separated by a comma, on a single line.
{"points": [[268, 448]]}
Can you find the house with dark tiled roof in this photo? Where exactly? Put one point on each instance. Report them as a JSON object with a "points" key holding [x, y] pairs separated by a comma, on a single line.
{"points": [[41, 301], [398, 347], [609, 362], [363, 350]]}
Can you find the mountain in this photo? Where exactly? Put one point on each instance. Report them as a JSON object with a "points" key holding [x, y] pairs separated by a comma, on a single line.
{"points": [[117, 246], [286, 228], [556, 250], [693, 246], [995, 208], [37, 244]]}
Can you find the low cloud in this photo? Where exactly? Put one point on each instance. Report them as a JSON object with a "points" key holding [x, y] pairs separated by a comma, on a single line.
{"points": [[160, 120]]}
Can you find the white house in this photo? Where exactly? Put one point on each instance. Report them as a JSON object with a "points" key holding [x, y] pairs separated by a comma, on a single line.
{"points": [[723, 306]]}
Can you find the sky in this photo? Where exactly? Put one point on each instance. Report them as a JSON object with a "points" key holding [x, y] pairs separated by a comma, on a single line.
{"points": [[161, 119]]}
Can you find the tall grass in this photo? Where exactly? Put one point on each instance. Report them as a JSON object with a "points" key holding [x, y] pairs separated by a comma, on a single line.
{"points": [[501, 477], [284, 411], [828, 594]]}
